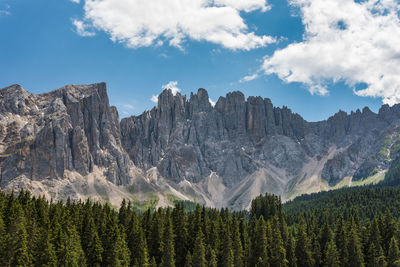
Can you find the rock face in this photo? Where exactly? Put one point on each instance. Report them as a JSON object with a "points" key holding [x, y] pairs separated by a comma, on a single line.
{"points": [[222, 155], [72, 128], [190, 140]]}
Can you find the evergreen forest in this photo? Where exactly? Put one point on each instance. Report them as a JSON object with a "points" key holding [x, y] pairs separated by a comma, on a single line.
{"points": [[348, 227]]}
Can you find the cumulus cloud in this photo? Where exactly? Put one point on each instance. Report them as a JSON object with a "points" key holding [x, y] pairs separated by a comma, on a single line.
{"points": [[154, 98], [81, 28], [172, 85], [249, 78], [211, 102], [128, 106], [75, 1], [348, 41], [139, 23], [245, 5]]}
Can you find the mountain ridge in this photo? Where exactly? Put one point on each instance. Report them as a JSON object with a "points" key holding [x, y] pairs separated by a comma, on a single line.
{"points": [[184, 148]]}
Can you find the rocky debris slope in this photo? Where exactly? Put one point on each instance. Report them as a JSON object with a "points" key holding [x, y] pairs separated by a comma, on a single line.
{"points": [[70, 142]]}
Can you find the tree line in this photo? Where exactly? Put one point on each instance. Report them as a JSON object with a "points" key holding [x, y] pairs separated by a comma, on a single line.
{"points": [[36, 232]]}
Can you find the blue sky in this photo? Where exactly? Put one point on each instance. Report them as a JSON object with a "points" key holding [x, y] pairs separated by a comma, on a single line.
{"points": [[42, 49]]}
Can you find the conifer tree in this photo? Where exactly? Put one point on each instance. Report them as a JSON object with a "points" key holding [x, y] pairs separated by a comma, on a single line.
{"points": [[137, 243], [188, 260], [331, 255], [290, 248], [388, 231], [168, 253], [153, 262], [156, 236], [355, 255], [316, 251], [116, 251], [181, 233], [198, 259], [212, 258], [393, 257], [91, 242], [45, 253], [259, 244], [3, 239], [376, 256], [237, 246], [16, 240], [341, 241], [303, 247], [278, 251], [245, 239], [325, 237]]}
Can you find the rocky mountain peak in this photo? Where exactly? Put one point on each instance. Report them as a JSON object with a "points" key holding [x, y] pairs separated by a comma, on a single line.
{"points": [[221, 156]]}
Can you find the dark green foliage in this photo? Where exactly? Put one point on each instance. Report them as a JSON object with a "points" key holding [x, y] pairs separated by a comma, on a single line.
{"points": [[365, 202], [168, 252], [303, 247], [199, 252], [393, 257], [346, 228], [331, 255], [392, 177]]}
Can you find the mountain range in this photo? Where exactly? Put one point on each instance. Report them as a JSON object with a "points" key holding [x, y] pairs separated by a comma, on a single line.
{"points": [[71, 143]]}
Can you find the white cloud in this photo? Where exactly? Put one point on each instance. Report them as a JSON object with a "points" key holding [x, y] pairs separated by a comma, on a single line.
{"points": [[76, 1], [353, 42], [5, 12], [139, 23], [81, 28], [128, 106], [5, 9], [245, 5], [211, 102], [249, 78], [172, 85], [154, 99]]}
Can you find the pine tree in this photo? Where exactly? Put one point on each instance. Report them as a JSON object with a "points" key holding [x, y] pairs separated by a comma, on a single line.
{"points": [[259, 243], [393, 254], [341, 241], [237, 246], [3, 239], [91, 242], [199, 258], [325, 236], [355, 255], [290, 248], [278, 251], [156, 236], [331, 255], [303, 247], [388, 231], [45, 253], [153, 262], [212, 258], [116, 251], [181, 233], [73, 254], [188, 260], [168, 253], [245, 239], [376, 256], [16, 240]]}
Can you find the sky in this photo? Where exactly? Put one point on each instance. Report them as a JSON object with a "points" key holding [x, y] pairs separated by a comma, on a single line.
{"points": [[313, 56]]}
